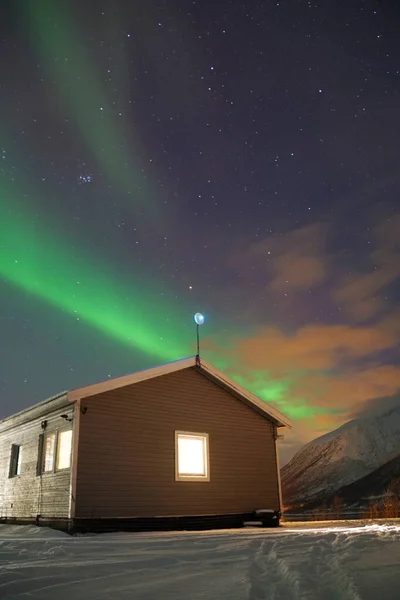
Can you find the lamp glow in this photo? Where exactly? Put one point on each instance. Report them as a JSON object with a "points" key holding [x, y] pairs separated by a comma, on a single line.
{"points": [[199, 319]]}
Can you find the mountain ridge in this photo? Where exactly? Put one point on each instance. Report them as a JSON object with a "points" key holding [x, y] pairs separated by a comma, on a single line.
{"points": [[341, 457]]}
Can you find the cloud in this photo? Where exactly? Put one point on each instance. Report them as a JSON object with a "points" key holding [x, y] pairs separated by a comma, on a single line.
{"points": [[356, 386], [319, 375], [318, 364], [297, 272], [312, 348], [296, 260], [274, 274], [376, 406], [361, 294], [302, 259]]}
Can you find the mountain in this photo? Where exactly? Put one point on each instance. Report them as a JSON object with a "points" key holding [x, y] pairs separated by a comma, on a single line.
{"points": [[371, 487], [341, 457]]}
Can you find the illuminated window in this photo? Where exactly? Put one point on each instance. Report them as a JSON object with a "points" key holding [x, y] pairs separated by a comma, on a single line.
{"points": [[191, 456], [15, 461], [48, 452], [64, 444], [54, 452]]}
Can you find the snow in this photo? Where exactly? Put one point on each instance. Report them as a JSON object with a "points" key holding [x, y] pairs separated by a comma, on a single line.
{"points": [[302, 561], [341, 457], [373, 439]]}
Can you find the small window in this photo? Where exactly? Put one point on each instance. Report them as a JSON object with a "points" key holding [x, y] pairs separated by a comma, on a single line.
{"points": [[191, 456], [15, 460], [64, 444], [48, 453]]}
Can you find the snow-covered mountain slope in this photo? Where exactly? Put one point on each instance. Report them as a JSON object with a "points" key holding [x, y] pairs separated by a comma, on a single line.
{"points": [[372, 487], [341, 457]]}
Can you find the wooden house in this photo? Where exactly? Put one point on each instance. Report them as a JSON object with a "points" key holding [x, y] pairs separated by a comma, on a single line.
{"points": [[178, 446]]}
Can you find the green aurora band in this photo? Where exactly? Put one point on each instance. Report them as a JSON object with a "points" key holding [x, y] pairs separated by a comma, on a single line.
{"points": [[83, 94], [37, 261], [42, 264]]}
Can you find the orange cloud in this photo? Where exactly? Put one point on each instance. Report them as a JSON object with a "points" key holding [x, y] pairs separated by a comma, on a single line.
{"points": [[314, 347], [329, 369], [296, 260], [360, 295], [297, 272], [325, 370]]}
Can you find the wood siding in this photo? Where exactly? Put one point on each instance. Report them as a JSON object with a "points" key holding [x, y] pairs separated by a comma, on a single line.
{"points": [[29, 494], [126, 451]]}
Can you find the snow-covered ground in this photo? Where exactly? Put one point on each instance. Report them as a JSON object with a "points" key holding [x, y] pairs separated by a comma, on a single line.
{"points": [[329, 561]]}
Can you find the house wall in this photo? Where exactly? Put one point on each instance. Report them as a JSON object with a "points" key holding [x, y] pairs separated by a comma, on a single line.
{"points": [[126, 451], [26, 495]]}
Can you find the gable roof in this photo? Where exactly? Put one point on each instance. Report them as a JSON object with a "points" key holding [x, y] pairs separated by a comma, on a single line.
{"points": [[179, 365]]}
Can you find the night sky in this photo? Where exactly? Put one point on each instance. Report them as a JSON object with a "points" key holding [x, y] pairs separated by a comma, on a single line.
{"points": [[237, 158]]}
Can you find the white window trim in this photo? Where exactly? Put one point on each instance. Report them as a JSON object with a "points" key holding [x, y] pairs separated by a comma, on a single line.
{"points": [[178, 476]]}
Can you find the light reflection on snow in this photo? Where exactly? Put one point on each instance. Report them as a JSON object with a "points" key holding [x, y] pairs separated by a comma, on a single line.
{"points": [[365, 528]]}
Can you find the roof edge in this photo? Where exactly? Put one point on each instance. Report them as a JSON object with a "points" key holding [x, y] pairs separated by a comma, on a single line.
{"points": [[172, 367], [36, 406], [276, 415], [130, 379]]}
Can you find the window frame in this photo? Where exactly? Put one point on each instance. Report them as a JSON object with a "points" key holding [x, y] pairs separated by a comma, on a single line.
{"points": [[15, 461], [43, 459], [42, 451], [206, 450], [56, 454]]}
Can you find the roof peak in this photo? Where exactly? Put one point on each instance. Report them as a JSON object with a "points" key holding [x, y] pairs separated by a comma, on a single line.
{"points": [[175, 366]]}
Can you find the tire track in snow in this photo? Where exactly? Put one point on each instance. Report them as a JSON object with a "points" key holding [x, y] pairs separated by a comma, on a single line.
{"points": [[302, 569], [330, 573], [271, 577]]}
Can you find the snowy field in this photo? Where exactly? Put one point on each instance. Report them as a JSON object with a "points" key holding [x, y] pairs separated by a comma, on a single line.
{"points": [[330, 561]]}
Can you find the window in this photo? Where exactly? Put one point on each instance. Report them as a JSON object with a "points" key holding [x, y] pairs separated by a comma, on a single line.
{"points": [[48, 453], [54, 452], [64, 444], [191, 456], [15, 461]]}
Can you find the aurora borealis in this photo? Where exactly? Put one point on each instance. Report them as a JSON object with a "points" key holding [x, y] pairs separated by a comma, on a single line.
{"points": [[42, 265], [159, 158], [79, 88]]}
